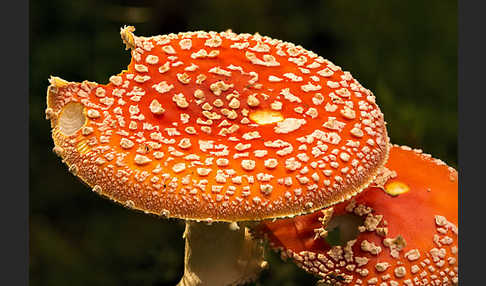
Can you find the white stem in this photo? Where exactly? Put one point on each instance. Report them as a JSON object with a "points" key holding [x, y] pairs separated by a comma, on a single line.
{"points": [[220, 254]]}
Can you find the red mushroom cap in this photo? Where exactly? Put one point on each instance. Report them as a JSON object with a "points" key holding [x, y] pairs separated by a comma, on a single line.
{"points": [[408, 234], [220, 126]]}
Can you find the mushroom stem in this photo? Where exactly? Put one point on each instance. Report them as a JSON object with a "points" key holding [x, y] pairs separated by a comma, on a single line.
{"points": [[220, 254]]}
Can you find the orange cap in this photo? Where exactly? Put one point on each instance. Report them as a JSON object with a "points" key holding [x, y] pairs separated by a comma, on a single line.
{"points": [[220, 126]]}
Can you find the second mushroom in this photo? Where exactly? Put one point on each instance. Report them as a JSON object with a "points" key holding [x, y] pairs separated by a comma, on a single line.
{"points": [[402, 230]]}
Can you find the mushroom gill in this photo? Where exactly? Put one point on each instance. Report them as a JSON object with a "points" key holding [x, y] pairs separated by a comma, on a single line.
{"points": [[72, 118]]}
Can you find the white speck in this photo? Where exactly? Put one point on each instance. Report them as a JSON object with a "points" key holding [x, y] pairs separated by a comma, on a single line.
{"points": [[274, 79], [163, 87], [156, 107], [288, 125], [289, 96], [310, 87], [248, 164], [141, 68], [185, 44], [126, 143], [221, 162], [141, 160], [168, 49], [203, 171], [179, 167], [93, 114], [271, 163], [151, 59]]}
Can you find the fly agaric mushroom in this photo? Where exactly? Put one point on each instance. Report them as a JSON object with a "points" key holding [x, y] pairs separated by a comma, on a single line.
{"points": [[400, 231], [208, 126]]}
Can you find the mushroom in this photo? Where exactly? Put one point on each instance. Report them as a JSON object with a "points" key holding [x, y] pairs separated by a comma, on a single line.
{"points": [[220, 127], [402, 230]]}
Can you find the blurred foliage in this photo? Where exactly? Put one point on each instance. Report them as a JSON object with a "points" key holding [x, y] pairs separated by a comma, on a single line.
{"points": [[404, 51]]}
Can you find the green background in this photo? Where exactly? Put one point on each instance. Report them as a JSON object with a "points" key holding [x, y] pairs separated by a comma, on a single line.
{"points": [[404, 51]]}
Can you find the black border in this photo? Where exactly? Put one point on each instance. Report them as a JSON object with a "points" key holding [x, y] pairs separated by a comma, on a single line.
{"points": [[15, 140], [471, 146]]}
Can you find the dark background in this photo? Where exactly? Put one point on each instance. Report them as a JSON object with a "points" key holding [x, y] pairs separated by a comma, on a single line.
{"points": [[404, 51]]}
